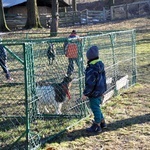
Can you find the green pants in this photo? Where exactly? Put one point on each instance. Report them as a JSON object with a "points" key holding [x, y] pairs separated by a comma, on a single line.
{"points": [[95, 107]]}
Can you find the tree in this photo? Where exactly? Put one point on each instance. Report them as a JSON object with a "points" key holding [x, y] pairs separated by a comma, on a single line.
{"points": [[33, 20], [55, 16], [3, 25], [74, 5]]}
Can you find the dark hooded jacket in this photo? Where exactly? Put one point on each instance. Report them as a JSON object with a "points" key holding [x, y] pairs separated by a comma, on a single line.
{"points": [[95, 79]]}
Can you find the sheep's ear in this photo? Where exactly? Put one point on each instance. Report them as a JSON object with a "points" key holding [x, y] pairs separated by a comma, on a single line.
{"points": [[69, 79]]}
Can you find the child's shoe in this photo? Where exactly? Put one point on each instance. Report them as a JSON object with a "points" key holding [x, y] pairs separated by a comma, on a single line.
{"points": [[103, 125], [94, 128]]}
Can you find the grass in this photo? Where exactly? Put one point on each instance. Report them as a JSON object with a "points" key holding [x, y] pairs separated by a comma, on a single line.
{"points": [[128, 119], [127, 115]]}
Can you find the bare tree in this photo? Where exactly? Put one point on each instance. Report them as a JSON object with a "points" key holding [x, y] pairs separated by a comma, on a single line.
{"points": [[74, 5], [55, 17], [33, 20], [3, 25]]}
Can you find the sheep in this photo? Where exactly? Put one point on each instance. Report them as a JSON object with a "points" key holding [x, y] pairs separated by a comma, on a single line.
{"points": [[54, 94]]}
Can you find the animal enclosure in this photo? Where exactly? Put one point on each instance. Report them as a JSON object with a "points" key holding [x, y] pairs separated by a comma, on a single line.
{"points": [[131, 10], [24, 122]]}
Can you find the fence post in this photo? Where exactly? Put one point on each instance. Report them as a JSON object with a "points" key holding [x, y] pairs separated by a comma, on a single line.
{"points": [[30, 98], [112, 36], [80, 17], [134, 70], [74, 16], [104, 13], [26, 97], [111, 13], [87, 16], [127, 16]]}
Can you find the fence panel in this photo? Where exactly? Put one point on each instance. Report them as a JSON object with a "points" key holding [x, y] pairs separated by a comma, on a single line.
{"points": [[83, 17], [31, 110], [131, 10], [12, 99]]}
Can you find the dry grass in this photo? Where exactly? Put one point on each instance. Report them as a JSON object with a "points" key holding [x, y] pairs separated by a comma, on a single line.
{"points": [[127, 115], [128, 119]]}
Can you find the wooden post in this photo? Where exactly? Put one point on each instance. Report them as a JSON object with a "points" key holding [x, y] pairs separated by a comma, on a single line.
{"points": [[65, 9], [104, 14], [112, 13], [87, 17]]}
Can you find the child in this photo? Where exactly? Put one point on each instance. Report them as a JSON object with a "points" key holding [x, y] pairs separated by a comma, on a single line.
{"points": [[3, 61], [95, 86], [71, 51]]}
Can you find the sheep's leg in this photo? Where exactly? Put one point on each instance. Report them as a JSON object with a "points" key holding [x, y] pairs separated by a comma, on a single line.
{"points": [[46, 109], [58, 110]]}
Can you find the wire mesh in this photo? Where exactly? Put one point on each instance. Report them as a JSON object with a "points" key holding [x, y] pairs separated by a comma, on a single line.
{"points": [[41, 101]]}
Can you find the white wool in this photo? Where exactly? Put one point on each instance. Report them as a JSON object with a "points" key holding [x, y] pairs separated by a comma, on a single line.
{"points": [[46, 96]]}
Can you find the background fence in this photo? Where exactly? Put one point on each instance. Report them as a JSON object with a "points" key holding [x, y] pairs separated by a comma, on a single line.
{"points": [[83, 17], [24, 122], [125, 11], [132, 10]]}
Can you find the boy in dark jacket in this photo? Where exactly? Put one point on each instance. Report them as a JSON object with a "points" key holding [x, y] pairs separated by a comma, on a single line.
{"points": [[95, 86], [3, 62]]}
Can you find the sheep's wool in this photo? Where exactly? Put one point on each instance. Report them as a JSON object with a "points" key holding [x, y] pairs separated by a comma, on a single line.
{"points": [[46, 94]]}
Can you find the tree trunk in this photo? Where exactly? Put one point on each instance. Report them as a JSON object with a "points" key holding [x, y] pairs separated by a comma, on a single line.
{"points": [[111, 3], [33, 20], [55, 16], [74, 5], [3, 25]]}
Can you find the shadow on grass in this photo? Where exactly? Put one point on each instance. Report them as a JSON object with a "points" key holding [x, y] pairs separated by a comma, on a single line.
{"points": [[18, 146], [11, 123], [76, 134], [11, 84], [111, 127]]}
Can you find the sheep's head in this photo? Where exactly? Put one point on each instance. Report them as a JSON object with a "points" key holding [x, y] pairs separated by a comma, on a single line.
{"points": [[67, 81]]}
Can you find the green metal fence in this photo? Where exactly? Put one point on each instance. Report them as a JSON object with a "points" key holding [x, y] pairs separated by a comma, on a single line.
{"points": [[25, 121]]}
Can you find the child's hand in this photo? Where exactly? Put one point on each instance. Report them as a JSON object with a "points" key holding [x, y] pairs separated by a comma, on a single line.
{"points": [[102, 97], [84, 97]]}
